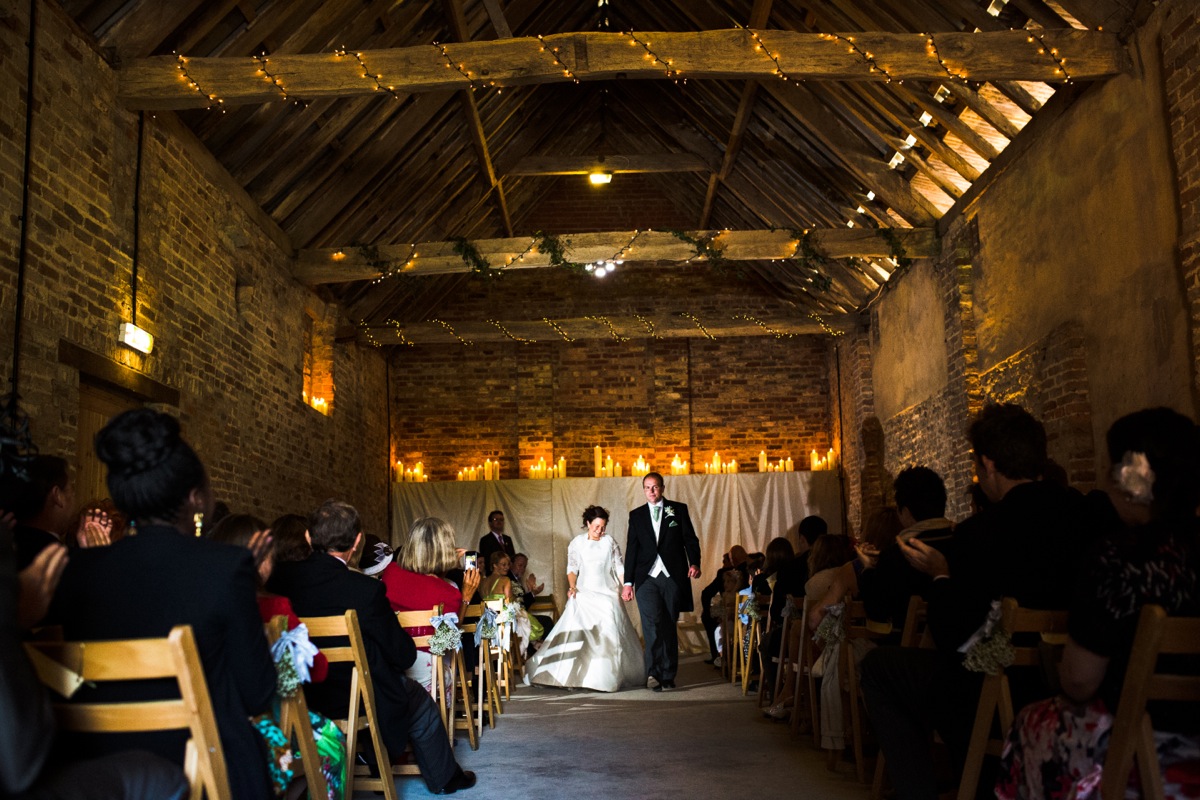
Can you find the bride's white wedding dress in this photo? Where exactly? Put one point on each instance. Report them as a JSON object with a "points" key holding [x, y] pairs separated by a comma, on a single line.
{"points": [[593, 645]]}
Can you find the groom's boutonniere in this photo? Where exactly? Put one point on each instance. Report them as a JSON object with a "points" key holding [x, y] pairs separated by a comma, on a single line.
{"points": [[671, 513]]}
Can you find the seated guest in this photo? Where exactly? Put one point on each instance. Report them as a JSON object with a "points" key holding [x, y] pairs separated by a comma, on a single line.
{"points": [[1057, 746], [29, 767], [734, 559], [525, 589], [418, 583], [497, 584], [1024, 545], [878, 534], [44, 509], [323, 585], [245, 530], [790, 588], [144, 585], [767, 592], [828, 556], [289, 537], [887, 587]]}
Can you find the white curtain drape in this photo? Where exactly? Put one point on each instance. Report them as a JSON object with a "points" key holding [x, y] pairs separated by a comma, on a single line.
{"points": [[544, 515]]}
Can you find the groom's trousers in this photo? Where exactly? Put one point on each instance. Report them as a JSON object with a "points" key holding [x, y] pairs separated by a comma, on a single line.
{"points": [[658, 605]]}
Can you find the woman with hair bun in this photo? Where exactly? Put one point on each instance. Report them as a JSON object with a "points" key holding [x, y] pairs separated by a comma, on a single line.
{"points": [[593, 645], [145, 584]]}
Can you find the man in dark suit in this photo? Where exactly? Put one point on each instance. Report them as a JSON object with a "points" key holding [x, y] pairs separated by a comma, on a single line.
{"points": [[494, 540], [43, 508], [662, 555], [323, 585]]}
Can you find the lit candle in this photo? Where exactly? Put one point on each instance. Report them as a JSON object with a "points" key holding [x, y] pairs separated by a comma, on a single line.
{"points": [[683, 470], [617, 473], [487, 469], [762, 461], [408, 474], [608, 467], [496, 469], [562, 466], [599, 461]]}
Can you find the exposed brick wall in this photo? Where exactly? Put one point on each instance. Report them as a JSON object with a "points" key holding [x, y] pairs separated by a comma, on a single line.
{"points": [[214, 289], [857, 428], [1180, 43], [455, 405]]}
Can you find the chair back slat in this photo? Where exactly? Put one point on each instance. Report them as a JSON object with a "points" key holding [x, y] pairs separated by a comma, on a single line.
{"points": [[176, 657], [296, 725]]}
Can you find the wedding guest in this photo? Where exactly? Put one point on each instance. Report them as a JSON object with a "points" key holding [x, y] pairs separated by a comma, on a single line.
{"points": [[495, 540], [1057, 746], [324, 585], [878, 534], [43, 506], [497, 584], [144, 585], [792, 577], [290, 535], [525, 589], [418, 583], [250, 532], [1025, 545], [887, 586], [828, 556], [770, 596]]}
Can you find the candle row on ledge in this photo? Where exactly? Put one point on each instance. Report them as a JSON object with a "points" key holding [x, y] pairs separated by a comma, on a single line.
{"points": [[678, 467], [824, 463], [415, 474], [487, 471], [540, 471], [765, 465], [719, 467]]}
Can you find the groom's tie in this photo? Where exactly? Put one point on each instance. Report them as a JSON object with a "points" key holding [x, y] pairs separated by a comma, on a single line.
{"points": [[657, 510]]}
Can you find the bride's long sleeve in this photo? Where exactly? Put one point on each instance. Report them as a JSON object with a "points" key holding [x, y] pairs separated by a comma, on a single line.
{"points": [[618, 563], [573, 556]]}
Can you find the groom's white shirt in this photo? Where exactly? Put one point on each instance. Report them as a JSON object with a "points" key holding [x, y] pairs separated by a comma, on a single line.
{"points": [[659, 567]]}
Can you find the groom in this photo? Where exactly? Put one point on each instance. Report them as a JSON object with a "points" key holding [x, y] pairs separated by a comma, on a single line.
{"points": [[661, 556]]}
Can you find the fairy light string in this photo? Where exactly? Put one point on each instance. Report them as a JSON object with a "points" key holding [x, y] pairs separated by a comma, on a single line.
{"points": [[653, 56], [1045, 49], [274, 79], [450, 329], [611, 329], [649, 326], [460, 68], [366, 72], [761, 46], [696, 321], [776, 333], [553, 51], [213, 100], [825, 326], [865, 56], [521, 256], [509, 334], [931, 49], [620, 254], [558, 329]]}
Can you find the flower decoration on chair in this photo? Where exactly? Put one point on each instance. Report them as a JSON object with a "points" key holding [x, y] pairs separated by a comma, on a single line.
{"points": [[487, 627], [748, 606], [990, 649], [446, 636], [293, 654], [831, 630]]}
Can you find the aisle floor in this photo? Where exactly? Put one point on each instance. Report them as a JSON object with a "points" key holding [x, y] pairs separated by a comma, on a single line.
{"points": [[702, 740]]}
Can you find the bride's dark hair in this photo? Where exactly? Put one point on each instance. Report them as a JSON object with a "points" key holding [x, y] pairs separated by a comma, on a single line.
{"points": [[594, 512], [151, 469]]}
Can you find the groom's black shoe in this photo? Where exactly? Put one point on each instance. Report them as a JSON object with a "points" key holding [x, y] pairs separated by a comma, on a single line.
{"points": [[668, 684]]}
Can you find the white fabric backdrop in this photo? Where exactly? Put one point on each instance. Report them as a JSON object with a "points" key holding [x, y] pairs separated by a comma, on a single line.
{"points": [[543, 516]]}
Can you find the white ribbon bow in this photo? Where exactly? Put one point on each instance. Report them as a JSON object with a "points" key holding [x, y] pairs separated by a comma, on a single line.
{"points": [[301, 650]]}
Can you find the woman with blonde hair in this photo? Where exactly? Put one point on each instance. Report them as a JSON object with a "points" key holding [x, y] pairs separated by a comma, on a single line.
{"points": [[418, 582]]}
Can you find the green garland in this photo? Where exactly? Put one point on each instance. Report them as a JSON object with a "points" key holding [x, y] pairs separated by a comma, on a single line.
{"points": [[704, 248], [555, 248], [809, 256], [474, 259]]}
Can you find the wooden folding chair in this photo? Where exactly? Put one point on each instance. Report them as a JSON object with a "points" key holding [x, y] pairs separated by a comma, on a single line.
{"points": [[487, 697], [747, 645], [501, 652], [546, 605], [806, 681], [778, 660], [995, 698], [1132, 737], [362, 696], [437, 685], [461, 715], [296, 725], [59, 664], [915, 634], [855, 621]]}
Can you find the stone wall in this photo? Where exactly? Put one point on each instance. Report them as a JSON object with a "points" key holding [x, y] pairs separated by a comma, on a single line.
{"points": [[214, 288]]}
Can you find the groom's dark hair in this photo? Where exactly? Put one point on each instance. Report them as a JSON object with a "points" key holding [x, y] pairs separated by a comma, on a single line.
{"points": [[657, 477]]}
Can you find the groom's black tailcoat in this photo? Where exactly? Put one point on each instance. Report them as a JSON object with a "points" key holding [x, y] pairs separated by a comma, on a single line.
{"points": [[677, 544]]}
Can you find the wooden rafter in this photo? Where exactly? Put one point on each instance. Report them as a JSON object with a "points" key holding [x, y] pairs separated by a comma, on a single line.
{"points": [[159, 82], [458, 26], [339, 265], [665, 326]]}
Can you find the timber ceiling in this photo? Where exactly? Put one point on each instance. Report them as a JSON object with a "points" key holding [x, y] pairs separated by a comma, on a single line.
{"points": [[875, 134]]}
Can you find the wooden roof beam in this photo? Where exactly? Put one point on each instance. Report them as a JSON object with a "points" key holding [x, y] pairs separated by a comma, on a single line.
{"points": [[166, 82], [666, 326], [342, 264]]}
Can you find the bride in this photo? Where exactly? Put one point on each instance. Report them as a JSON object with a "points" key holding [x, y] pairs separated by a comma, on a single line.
{"points": [[594, 645]]}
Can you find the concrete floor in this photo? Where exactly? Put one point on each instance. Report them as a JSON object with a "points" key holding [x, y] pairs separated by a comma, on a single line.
{"points": [[703, 740]]}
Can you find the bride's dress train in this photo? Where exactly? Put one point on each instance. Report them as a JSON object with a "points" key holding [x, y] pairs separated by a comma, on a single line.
{"points": [[593, 645]]}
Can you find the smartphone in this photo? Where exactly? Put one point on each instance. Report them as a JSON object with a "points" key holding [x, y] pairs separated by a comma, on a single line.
{"points": [[471, 560]]}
